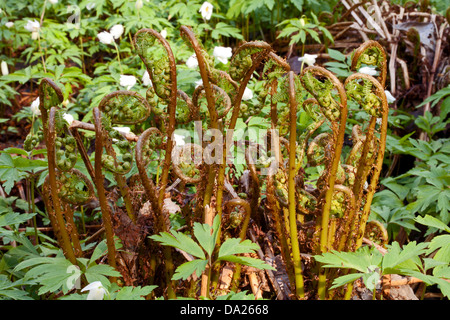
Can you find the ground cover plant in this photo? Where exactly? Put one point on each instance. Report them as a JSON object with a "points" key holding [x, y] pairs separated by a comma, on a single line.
{"points": [[285, 150]]}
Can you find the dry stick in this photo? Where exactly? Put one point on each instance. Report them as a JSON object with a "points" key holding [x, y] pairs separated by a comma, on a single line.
{"points": [[437, 55], [299, 285], [394, 47], [372, 22], [99, 180]]}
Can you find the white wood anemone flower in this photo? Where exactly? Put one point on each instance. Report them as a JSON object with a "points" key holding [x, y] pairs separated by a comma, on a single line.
{"points": [[371, 71], [105, 37], [4, 67], [139, 4], [389, 97], [192, 62], [198, 83], [69, 118], [35, 107], [127, 81], [96, 291], [33, 26], [309, 59], [124, 130], [116, 31], [222, 54], [146, 81], [9, 24], [206, 10], [248, 94], [163, 33]]}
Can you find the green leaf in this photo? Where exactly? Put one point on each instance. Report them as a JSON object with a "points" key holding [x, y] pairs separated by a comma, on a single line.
{"points": [[185, 270], [360, 260], [180, 241], [337, 55], [134, 293], [396, 256], [100, 272], [235, 246], [207, 235], [247, 261], [100, 250], [340, 281], [431, 221]]}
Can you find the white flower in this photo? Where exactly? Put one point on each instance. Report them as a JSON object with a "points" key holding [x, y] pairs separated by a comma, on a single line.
{"points": [[222, 54], [33, 26], [53, 1], [139, 4], [125, 130], [127, 81], [371, 71], [35, 107], [105, 37], [309, 59], [206, 10], [170, 206], [69, 118], [96, 291], [198, 83], [179, 140], [389, 97], [248, 94], [116, 31], [164, 33], [192, 62], [9, 24], [90, 6], [4, 68], [146, 81]]}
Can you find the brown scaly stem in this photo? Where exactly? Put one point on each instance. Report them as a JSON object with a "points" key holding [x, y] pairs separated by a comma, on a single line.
{"points": [[242, 234], [83, 153], [99, 180], [203, 67], [121, 183], [338, 138], [365, 164], [172, 104], [376, 170], [152, 194], [299, 289], [49, 135], [265, 50]]}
